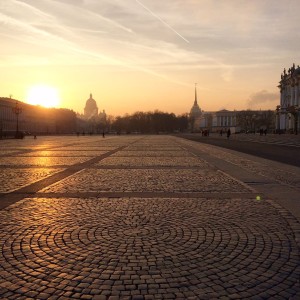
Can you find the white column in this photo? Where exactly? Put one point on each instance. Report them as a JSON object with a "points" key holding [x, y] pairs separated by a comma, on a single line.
{"points": [[282, 121]]}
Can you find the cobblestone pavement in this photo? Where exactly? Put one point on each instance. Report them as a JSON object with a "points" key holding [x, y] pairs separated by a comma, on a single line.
{"points": [[291, 140], [141, 217], [290, 176]]}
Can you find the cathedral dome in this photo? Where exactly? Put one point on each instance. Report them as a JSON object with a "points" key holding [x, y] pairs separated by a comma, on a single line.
{"points": [[91, 103], [91, 109]]}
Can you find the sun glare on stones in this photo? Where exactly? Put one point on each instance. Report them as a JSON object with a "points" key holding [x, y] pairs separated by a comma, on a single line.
{"points": [[43, 95]]}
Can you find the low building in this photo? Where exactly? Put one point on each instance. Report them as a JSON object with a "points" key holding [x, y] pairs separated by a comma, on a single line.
{"points": [[34, 119], [237, 121], [223, 120], [201, 121]]}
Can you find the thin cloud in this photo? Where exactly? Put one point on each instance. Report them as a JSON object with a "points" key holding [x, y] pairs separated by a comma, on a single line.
{"points": [[34, 33], [162, 21], [59, 7], [60, 43], [33, 8], [85, 32]]}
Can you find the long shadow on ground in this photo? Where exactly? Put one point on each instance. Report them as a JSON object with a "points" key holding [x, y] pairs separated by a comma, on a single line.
{"points": [[280, 153]]}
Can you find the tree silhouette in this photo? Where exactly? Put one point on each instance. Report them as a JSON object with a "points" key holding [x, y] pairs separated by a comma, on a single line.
{"points": [[150, 122]]}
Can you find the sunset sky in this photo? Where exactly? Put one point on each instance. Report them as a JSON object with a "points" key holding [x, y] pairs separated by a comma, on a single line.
{"points": [[145, 55]]}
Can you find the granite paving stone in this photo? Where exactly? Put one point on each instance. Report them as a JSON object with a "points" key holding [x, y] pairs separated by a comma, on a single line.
{"points": [[7, 152], [152, 153], [153, 161], [283, 176], [12, 179], [58, 243], [40, 161], [148, 180], [64, 153], [170, 227]]}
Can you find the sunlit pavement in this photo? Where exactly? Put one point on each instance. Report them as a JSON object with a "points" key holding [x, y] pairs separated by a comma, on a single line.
{"points": [[145, 217]]}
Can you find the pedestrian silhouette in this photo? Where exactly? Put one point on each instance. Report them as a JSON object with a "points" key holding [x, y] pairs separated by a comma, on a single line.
{"points": [[228, 133]]}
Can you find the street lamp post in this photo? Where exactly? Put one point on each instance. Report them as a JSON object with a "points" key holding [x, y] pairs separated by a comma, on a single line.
{"points": [[17, 110], [278, 118]]}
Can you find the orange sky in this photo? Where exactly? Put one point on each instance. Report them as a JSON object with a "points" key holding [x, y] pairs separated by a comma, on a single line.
{"points": [[147, 55]]}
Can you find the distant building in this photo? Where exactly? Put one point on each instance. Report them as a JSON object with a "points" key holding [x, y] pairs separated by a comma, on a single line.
{"points": [[211, 121], [223, 120], [288, 112], [35, 119], [237, 121], [91, 121], [91, 108], [195, 114], [242, 121], [102, 115]]}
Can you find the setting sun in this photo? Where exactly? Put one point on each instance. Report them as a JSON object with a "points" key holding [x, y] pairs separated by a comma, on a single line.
{"points": [[43, 95]]}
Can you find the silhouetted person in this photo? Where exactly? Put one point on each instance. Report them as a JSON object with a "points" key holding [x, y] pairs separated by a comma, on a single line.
{"points": [[221, 132], [103, 134], [228, 133]]}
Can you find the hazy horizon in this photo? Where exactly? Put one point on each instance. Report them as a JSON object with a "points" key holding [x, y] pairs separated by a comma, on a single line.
{"points": [[146, 55]]}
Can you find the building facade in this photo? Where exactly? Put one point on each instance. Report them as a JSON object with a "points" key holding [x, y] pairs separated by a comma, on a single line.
{"points": [[91, 121], [211, 121], [248, 121], [91, 108], [288, 112], [224, 120], [34, 119]]}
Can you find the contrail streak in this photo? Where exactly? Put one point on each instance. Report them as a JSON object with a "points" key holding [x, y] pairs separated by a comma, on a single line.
{"points": [[157, 17]]}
